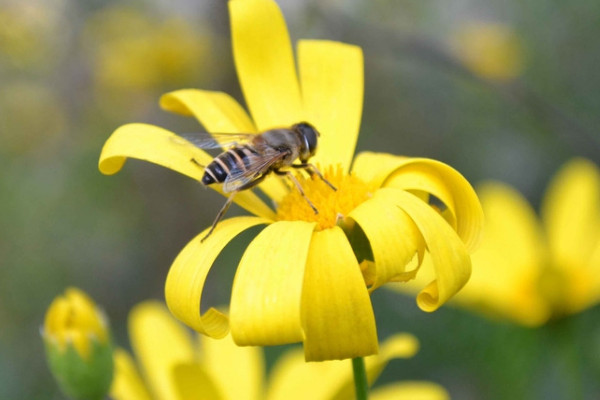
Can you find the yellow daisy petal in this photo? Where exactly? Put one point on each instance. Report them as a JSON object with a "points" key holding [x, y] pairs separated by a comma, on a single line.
{"points": [[571, 214], [226, 363], [293, 378], [430, 176], [410, 390], [159, 343], [449, 257], [267, 289], [219, 113], [393, 237], [331, 74], [127, 383], [159, 146], [505, 282], [185, 281], [216, 111], [337, 315], [265, 63], [193, 382]]}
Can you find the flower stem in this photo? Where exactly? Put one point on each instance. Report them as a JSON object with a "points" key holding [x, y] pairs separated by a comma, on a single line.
{"points": [[360, 378]]}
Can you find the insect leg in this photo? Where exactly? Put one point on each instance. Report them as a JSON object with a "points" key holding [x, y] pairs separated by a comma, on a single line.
{"points": [[193, 160], [311, 169], [220, 215], [293, 179]]}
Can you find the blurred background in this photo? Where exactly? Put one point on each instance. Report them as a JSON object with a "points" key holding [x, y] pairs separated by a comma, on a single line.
{"points": [[71, 72]]}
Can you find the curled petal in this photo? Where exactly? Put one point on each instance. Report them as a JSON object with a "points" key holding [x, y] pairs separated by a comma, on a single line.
{"points": [[219, 113], [127, 383], [413, 390], [265, 63], [432, 177], [159, 343], [393, 237], [193, 382], [226, 362], [337, 315], [293, 378], [449, 257], [267, 289], [159, 146], [185, 281], [332, 80]]}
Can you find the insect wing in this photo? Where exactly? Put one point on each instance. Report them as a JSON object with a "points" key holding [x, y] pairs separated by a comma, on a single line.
{"points": [[257, 166], [205, 140]]}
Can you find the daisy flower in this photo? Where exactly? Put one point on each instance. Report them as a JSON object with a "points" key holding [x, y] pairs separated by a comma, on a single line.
{"points": [[175, 365], [307, 277]]}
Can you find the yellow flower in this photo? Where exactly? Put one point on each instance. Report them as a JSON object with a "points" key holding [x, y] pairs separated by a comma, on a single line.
{"points": [[300, 280], [490, 50], [529, 270], [78, 346], [74, 319], [175, 366]]}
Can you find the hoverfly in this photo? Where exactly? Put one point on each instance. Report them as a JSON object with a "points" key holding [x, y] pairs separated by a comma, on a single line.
{"points": [[250, 158]]}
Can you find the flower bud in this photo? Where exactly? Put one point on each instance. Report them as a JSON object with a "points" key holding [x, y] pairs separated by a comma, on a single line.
{"points": [[78, 346]]}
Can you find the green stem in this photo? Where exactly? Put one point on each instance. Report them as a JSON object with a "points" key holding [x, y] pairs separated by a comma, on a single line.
{"points": [[360, 378]]}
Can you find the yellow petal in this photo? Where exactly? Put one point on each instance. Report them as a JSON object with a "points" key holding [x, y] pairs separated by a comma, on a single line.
{"points": [[159, 146], [193, 382], [219, 113], [337, 315], [267, 289], [265, 63], [449, 258], [127, 383], [332, 77], [293, 378], [506, 267], [571, 214], [412, 390], [402, 345], [159, 343], [185, 281], [228, 363], [433, 177], [216, 111], [393, 237]]}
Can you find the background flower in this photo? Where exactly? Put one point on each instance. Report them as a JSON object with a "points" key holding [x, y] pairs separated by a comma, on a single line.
{"points": [[551, 267], [176, 366]]}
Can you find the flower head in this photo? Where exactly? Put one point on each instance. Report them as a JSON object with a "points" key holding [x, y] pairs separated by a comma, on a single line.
{"points": [[306, 277], [490, 50], [530, 270], [78, 345], [175, 366]]}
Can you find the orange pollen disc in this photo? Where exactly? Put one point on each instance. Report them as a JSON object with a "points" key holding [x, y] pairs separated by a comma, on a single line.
{"points": [[331, 204]]}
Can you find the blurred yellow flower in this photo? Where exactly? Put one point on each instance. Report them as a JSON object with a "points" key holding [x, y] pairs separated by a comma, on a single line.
{"points": [[490, 50], [307, 278], [74, 319], [78, 346], [175, 366], [133, 51], [528, 270]]}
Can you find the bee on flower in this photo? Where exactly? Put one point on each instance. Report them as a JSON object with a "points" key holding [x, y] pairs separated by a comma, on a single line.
{"points": [[307, 276]]}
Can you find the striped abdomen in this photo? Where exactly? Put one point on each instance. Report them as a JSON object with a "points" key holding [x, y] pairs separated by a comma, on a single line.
{"points": [[236, 158]]}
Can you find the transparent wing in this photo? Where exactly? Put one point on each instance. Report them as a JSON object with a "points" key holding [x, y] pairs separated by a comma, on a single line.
{"points": [[257, 166], [205, 140]]}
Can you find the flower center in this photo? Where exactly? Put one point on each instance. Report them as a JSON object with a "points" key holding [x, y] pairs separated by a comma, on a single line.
{"points": [[331, 204]]}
